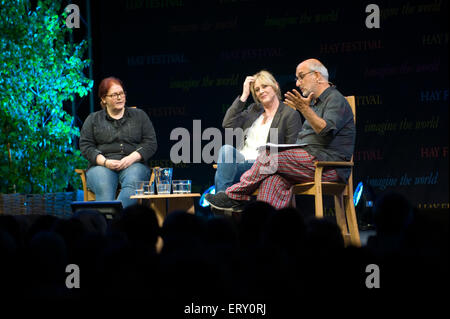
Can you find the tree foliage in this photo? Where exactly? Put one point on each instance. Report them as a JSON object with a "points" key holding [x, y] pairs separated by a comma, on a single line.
{"points": [[40, 69]]}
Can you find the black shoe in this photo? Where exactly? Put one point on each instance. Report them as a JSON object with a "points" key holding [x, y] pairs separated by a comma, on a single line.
{"points": [[223, 202]]}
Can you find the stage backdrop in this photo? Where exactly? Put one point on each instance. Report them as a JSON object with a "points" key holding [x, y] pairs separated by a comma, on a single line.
{"points": [[186, 60]]}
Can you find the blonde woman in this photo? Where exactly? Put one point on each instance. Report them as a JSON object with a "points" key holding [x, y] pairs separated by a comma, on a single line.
{"points": [[265, 113]]}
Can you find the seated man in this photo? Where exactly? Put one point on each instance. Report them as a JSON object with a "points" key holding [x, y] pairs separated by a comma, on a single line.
{"points": [[259, 122], [328, 134]]}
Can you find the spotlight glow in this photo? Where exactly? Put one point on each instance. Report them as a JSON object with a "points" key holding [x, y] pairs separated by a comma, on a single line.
{"points": [[202, 201], [357, 194]]}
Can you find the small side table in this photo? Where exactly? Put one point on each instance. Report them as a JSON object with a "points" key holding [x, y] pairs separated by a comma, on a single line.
{"points": [[165, 203]]}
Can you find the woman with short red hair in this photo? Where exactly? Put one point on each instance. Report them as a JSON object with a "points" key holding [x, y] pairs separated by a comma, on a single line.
{"points": [[118, 142]]}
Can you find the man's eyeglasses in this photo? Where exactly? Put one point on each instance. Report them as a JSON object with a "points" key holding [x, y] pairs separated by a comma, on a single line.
{"points": [[116, 95], [302, 76]]}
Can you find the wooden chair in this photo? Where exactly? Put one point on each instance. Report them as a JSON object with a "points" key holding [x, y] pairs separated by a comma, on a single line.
{"points": [[342, 192], [90, 195]]}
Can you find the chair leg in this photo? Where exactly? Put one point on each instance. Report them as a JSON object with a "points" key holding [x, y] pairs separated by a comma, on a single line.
{"points": [[319, 205], [350, 214], [293, 201], [318, 192], [340, 217], [87, 194]]}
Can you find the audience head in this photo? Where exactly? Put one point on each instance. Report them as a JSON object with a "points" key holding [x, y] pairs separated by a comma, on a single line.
{"points": [[9, 225], [92, 220], [392, 213], [8, 244], [72, 231], [286, 229], [221, 230], [181, 226], [254, 222], [139, 223], [48, 255], [40, 223], [324, 237]]}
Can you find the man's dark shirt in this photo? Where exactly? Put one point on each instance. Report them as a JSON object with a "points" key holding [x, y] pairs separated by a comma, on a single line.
{"points": [[337, 140], [115, 139]]}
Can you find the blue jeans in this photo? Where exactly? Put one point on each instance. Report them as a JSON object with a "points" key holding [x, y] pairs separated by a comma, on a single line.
{"points": [[103, 182], [231, 164]]}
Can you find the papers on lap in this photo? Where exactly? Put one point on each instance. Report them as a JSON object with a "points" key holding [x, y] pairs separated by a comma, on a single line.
{"points": [[283, 146]]}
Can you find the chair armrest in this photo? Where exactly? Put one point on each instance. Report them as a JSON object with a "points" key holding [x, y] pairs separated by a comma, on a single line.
{"points": [[328, 164], [321, 165]]}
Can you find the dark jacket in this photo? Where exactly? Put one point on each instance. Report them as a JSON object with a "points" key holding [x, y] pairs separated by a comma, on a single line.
{"points": [[115, 139], [287, 120]]}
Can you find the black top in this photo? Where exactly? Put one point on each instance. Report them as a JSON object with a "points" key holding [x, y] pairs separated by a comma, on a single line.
{"points": [[115, 139], [336, 141], [286, 120]]}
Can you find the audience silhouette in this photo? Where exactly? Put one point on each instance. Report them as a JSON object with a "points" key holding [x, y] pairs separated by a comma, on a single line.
{"points": [[263, 255]]}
